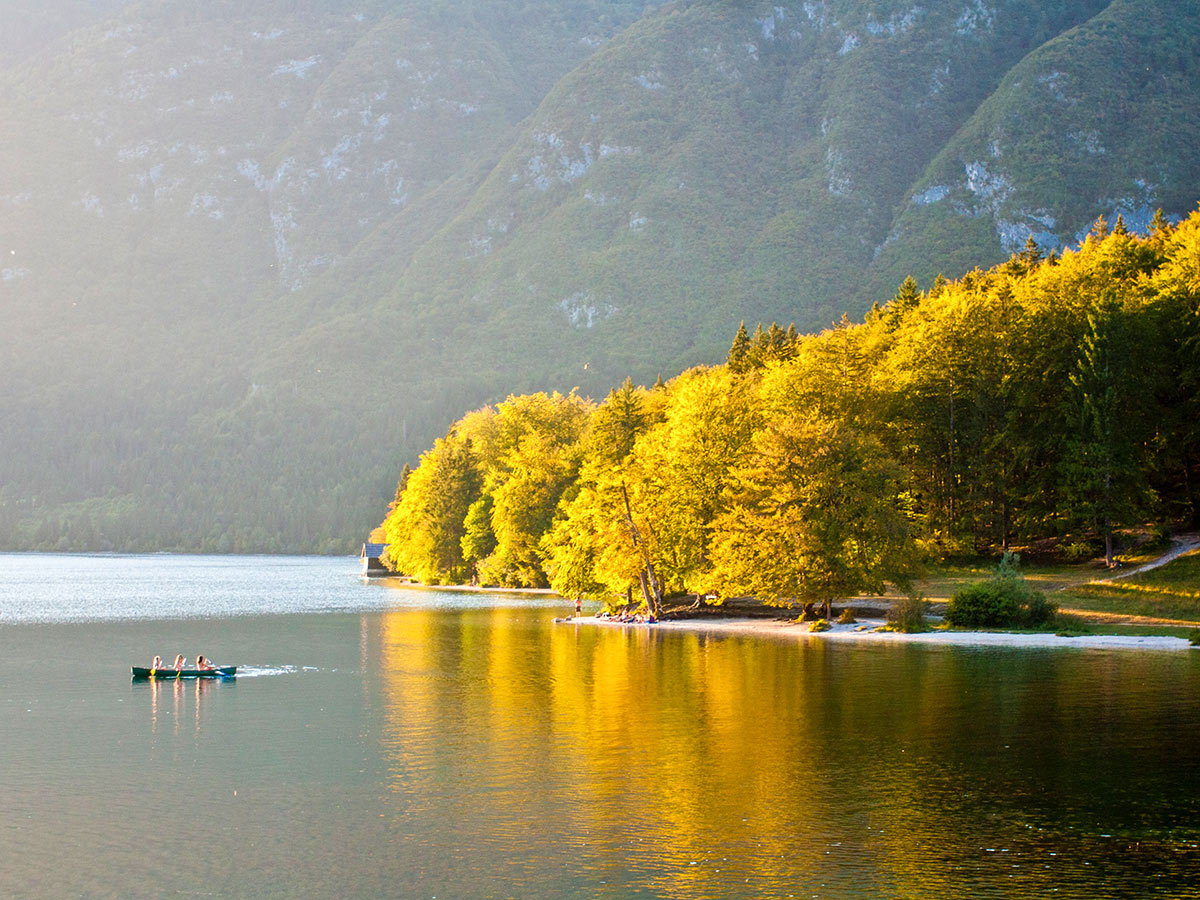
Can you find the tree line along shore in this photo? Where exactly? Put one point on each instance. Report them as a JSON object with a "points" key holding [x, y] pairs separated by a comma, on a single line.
{"points": [[1052, 398]]}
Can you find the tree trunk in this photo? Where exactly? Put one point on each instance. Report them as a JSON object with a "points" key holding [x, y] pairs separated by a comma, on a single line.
{"points": [[1190, 488], [952, 485], [1108, 552], [1004, 524], [652, 592], [646, 595], [655, 585]]}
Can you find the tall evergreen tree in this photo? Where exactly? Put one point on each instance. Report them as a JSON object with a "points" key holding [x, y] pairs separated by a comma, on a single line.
{"points": [[402, 483], [1030, 255], [739, 351]]}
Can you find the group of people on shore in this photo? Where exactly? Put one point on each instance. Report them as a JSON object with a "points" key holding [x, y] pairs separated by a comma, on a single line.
{"points": [[641, 618], [202, 662]]}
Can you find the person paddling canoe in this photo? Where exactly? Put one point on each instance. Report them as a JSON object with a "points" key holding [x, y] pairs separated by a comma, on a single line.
{"points": [[179, 661], [203, 664]]}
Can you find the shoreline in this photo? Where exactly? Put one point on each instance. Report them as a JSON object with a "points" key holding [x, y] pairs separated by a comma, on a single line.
{"points": [[862, 631], [399, 582]]}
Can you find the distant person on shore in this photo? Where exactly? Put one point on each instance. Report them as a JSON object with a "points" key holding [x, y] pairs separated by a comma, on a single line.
{"points": [[578, 606]]}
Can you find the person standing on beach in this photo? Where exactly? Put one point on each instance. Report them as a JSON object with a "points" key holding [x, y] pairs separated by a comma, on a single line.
{"points": [[578, 606]]}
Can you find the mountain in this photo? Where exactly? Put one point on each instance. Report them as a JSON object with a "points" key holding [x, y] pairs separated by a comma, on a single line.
{"points": [[175, 175], [253, 260], [1089, 123]]}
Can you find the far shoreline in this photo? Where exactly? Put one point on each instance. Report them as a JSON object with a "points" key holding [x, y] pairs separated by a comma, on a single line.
{"points": [[399, 582], [863, 631]]}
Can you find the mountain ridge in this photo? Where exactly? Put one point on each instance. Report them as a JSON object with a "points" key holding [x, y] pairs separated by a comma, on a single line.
{"points": [[257, 260]]}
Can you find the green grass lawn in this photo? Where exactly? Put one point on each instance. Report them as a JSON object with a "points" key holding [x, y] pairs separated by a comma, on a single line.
{"points": [[1169, 592], [943, 580], [1069, 625]]}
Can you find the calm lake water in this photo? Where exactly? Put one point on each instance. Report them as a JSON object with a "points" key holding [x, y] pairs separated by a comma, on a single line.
{"points": [[390, 742]]}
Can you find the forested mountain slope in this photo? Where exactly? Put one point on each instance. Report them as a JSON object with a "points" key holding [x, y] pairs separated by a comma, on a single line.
{"points": [[173, 178], [255, 258]]}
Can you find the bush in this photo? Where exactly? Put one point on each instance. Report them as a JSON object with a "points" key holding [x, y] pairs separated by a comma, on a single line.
{"points": [[908, 615], [847, 616], [1003, 601], [1039, 610], [819, 625], [1194, 637], [1078, 551]]}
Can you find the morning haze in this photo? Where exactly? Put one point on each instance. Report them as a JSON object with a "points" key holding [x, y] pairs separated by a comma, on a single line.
{"points": [[253, 259]]}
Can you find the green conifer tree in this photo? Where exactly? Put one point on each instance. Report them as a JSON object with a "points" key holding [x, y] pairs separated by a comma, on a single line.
{"points": [[1099, 230], [739, 350], [402, 483], [1030, 255], [1159, 227]]}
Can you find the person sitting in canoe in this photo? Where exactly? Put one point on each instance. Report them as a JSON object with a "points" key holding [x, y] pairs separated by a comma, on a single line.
{"points": [[203, 664], [157, 664], [179, 662]]}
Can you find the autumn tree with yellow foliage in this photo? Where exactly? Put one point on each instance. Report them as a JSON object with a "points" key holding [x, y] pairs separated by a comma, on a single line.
{"points": [[1052, 395]]}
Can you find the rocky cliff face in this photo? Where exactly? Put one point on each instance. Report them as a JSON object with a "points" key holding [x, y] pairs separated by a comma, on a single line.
{"points": [[252, 259], [1086, 124]]}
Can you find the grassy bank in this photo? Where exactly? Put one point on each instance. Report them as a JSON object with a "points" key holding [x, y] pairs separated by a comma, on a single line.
{"points": [[1169, 592], [945, 579]]}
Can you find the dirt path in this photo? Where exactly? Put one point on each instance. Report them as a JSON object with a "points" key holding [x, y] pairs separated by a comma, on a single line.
{"points": [[1180, 544], [1183, 543]]}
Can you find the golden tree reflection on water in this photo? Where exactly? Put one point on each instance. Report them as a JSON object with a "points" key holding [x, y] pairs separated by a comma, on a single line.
{"points": [[684, 763]]}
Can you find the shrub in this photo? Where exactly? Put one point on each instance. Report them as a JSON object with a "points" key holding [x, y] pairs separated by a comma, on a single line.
{"points": [[819, 625], [1194, 637], [1003, 601], [847, 617], [908, 615], [1039, 610], [1078, 551]]}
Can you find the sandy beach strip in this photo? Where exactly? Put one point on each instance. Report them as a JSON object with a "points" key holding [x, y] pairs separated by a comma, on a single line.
{"points": [[864, 631]]}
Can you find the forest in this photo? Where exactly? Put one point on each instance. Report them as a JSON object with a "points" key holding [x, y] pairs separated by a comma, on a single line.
{"points": [[1051, 398]]}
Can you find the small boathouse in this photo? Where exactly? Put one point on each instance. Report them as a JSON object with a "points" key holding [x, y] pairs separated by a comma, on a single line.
{"points": [[372, 560]]}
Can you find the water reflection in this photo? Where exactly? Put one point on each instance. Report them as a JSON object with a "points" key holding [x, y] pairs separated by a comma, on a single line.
{"points": [[174, 700], [485, 753], [694, 766]]}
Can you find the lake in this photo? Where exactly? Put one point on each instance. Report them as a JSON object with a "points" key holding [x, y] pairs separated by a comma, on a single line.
{"points": [[394, 742]]}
